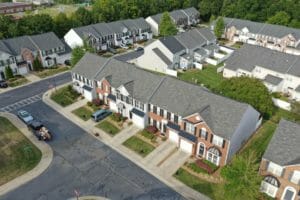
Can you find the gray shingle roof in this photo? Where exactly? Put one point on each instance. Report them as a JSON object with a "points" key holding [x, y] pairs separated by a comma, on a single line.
{"points": [[17, 44], [117, 27], [191, 11], [129, 56], [4, 48], [207, 34], [47, 41], [156, 18], [172, 44], [141, 23], [191, 39], [162, 56], [177, 15], [262, 28], [103, 29], [274, 80], [297, 89], [283, 148], [130, 24], [249, 56], [169, 93], [85, 31]]}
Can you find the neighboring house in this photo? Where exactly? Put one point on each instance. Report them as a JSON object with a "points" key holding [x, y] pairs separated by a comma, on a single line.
{"points": [[20, 52], [279, 71], [181, 18], [201, 123], [280, 38], [183, 51], [36, 2], [102, 36], [9, 8], [280, 165]]}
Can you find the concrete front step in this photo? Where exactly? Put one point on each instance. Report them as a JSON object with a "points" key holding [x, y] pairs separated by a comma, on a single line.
{"points": [[159, 154], [172, 164]]}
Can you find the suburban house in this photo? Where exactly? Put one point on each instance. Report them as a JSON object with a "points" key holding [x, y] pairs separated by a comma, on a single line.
{"points": [[279, 71], [9, 8], [280, 165], [102, 36], [183, 51], [20, 52], [280, 38], [201, 123], [181, 18]]}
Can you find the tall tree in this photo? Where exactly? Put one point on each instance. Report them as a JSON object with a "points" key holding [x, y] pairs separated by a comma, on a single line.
{"points": [[219, 27], [37, 65], [62, 24], [249, 90], [280, 18], [83, 16], [210, 7], [8, 72], [167, 26], [242, 175]]}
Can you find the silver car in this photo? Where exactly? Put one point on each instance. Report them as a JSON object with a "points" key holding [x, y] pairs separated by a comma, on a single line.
{"points": [[25, 116]]}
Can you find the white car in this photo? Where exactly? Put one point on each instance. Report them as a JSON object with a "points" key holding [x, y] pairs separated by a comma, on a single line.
{"points": [[25, 116]]}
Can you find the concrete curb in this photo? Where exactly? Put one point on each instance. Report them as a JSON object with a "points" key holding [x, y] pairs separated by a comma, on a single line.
{"points": [[47, 156], [89, 198], [175, 184], [32, 82]]}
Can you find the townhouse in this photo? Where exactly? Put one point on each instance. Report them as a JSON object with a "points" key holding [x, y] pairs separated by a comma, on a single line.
{"points": [[9, 8], [280, 165], [181, 18], [279, 71], [183, 51], [20, 52], [102, 36], [201, 123], [36, 2], [280, 38]]}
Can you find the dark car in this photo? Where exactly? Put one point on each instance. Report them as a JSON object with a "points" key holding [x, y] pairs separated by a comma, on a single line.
{"points": [[39, 130], [139, 49], [68, 62], [3, 84], [100, 114]]}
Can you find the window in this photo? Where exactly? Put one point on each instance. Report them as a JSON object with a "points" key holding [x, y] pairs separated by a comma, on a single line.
{"points": [[189, 127], [295, 178], [203, 133], [268, 186], [122, 97], [201, 149], [168, 115], [154, 109], [217, 141], [213, 155], [176, 119], [275, 169], [161, 113]]}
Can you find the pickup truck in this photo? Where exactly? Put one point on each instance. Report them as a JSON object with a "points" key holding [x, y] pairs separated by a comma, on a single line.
{"points": [[39, 130]]}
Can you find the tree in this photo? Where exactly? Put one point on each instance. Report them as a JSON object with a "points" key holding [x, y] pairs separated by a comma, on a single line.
{"points": [[35, 24], [77, 54], [280, 18], [37, 65], [219, 27], [83, 16], [8, 72], [210, 7], [62, 24], [242, 175], [166, 26], [248, 90]]}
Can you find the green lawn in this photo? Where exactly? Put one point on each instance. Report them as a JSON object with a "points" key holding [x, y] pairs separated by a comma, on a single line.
{"points": [[147, 134], [17, 154], [193, 166], [108, 127], [139, 146], [51, 71], [208, 76], [17, 81], [83, 113], [65, 96], [56, 9]]}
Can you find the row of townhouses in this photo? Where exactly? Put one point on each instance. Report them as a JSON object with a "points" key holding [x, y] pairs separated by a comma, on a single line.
{"points": [[9, 8], [279, 71], [199, 122], [280, 165], [181, 18], [101, 36], [20, 52], [276, 37], [183, 51]]}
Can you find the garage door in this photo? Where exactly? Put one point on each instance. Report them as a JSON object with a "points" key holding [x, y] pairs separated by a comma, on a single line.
{"points": [[186, 146], [173, 136]]}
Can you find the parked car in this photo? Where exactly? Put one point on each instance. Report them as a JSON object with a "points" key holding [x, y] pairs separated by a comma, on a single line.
{"points": [[25, 116], [68, 62], [100, 114], [39, 130], [124, 46], [3, 84], [139, 49]]}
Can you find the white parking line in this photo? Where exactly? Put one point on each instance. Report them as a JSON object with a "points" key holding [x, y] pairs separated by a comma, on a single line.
{"points": [[21, 103]]}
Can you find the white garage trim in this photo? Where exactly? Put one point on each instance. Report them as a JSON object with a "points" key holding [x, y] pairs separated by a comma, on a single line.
{"points": [[186, 146]]}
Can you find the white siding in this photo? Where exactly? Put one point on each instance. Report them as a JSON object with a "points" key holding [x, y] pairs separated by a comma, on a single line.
{"points": [[73, 39]]}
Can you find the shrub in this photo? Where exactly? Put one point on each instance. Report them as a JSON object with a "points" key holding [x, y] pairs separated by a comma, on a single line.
{"points": [[152, 129], [89, 103], [97, 102], [116, 117]]}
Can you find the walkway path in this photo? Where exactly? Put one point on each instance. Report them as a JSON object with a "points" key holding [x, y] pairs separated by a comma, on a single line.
{"points": [[164, 172], [47, 156]]}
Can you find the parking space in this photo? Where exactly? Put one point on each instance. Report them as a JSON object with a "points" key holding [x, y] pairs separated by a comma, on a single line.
{"points": [[18, 105]]}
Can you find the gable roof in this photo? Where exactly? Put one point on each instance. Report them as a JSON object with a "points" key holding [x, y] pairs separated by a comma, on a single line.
{"points": [[178, 14], [162, 56], [191, 11], [283, 148], [249, 56], [103, 29], [47, 41], [172, 44], [84, 31], [117, 26], [262, 28]]}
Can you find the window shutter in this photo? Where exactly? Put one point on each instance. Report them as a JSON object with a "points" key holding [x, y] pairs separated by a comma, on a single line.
{"points": [[206, 136], [211, 138], [184, 126], [267, 165], [195, 130], [282, 173], [223, 145]]}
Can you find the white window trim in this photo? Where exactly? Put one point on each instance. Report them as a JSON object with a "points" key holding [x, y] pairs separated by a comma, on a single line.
{"points": [[291, 189], [217, 141], [212, 160], [199, 149], [275, 169], [296, 177], [267, 188]]}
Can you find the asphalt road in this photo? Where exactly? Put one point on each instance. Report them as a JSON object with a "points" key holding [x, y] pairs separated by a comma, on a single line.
{"points": [[81, 162]]}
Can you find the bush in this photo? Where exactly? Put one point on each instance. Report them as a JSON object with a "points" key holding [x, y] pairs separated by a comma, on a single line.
{"points": [[89, 104], [97, 102], [116, 117], [152, 129]]}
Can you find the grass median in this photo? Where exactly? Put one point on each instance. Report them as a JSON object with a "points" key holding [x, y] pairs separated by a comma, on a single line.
{"points": [[65, 96]]}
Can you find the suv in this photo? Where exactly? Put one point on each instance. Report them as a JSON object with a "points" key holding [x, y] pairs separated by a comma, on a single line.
{"points": [[3, 84], [100, 114]]}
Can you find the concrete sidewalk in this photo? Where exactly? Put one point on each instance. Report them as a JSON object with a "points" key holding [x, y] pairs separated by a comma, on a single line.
{"points": [[116, 144], [47, 156]]}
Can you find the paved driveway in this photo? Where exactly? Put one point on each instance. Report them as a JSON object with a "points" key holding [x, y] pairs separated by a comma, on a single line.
{"points": [[83, 163]]}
